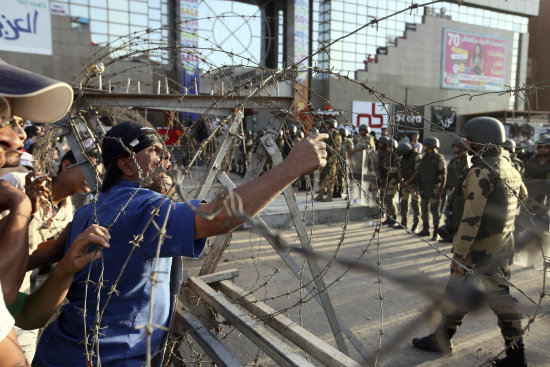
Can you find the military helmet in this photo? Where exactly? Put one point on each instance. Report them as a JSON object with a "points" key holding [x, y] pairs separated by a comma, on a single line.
{"points": [[509, 145], [383, 139], [292, 129], [300, 134], [364, 127], [431, 142], [544, 141], [314, 130], [485, 130], [403, 148], [343, 131], [331, 123], [392, 142], [460, 144]]}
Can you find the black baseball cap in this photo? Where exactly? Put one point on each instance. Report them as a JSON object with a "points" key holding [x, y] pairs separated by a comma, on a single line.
{"points": [[126, 137]]}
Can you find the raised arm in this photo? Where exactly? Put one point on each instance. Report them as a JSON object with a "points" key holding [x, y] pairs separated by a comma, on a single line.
{"points": [[14, 247], [306, 156], [41, 304]]}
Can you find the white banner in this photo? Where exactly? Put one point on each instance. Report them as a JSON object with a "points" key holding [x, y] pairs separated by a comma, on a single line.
{"points": [[25, 26], [372, 114]]}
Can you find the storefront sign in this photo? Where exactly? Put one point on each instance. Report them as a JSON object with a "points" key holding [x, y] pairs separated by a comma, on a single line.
{"points": [[372, 114]]}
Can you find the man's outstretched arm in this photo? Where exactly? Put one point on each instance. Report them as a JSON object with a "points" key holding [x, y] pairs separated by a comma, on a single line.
{"points": [[305, 157]]}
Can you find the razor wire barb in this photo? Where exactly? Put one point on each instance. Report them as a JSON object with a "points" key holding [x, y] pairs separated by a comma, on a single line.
{"points": [[126, 47]]}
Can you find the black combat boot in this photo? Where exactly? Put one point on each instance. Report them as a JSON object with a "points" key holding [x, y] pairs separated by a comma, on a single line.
{"points": [[398, 225], [389, 220], [415, 224], [424, 232], [434, 237], [439, 341], [515, 357]]}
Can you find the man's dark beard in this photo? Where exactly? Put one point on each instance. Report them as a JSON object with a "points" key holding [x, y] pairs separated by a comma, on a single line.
{"points": [[160, 183]]}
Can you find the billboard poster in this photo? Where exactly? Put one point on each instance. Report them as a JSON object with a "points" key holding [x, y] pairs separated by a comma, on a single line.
{"points": [[373, 114], [189, 10], [443, 118], [473, 61], [26, 26], [301, 45]]}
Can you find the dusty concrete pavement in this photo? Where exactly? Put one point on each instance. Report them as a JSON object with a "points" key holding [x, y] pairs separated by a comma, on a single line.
{"points": [[386, 306]]}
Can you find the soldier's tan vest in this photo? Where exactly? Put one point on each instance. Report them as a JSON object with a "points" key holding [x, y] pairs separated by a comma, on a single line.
{"points": [[428, 171], [500, 209], [408, 163]]}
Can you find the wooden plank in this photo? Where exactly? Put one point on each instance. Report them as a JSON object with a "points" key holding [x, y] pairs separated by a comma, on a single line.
{"points": [[254, 330], [323, 352], [208, 342], [220, 275]]}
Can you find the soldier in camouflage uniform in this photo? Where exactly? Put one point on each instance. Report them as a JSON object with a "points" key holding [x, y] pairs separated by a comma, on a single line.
{"points": [[390, 181], [536, 175], [346, 148], [248, 145], [327, 178], [510, 147], [408, 165], [378, 167], [457, 167], [537, 179], [431, 178], [484, 243], [456, 170]]}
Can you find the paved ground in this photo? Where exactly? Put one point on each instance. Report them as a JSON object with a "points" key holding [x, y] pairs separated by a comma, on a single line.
{"points": [[389, 310]]}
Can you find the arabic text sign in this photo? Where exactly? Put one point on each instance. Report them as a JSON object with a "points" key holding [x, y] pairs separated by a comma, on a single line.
{"points": [[25, 26], [473, 61], [372, 114]]}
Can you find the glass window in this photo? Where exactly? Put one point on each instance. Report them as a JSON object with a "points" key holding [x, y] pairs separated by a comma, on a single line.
{"points": [[153, 24], [81, 2], [118, 29], [118, 5], [154, 3], [99, 39], [138, 19], [137, 28], [98, 14], [138, 7], [337, 6], [79, 11], [154, 14], [98, 27], [118, 16]]}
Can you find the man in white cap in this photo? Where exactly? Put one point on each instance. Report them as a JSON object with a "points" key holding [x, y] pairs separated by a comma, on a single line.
{"points": [[34, 97]]}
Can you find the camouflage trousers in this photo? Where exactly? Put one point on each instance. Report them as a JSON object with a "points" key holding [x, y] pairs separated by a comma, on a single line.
{"points": [[327, 179], [490, 262], [388, 195], [409, 192], [430, 204]]}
